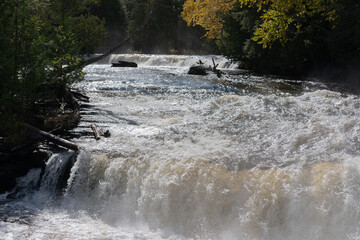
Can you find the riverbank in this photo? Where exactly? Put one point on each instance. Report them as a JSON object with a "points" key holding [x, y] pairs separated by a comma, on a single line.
{"points": [[21, 151]]}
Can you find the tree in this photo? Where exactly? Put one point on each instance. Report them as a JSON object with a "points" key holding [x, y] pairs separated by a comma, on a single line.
{"points": [[279, 17], [286, 19], [38, 40], [165, 32], [282, 36], [207, 14]]}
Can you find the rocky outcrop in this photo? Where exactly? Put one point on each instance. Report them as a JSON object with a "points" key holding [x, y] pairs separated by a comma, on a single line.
{"points": [[27, 152]]}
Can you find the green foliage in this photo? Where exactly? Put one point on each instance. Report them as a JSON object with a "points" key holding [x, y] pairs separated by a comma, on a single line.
{"points": [[136, 11], [236, 43], [112, 12], [165, 30], [284, 37], [238, 29], [38, 39]]}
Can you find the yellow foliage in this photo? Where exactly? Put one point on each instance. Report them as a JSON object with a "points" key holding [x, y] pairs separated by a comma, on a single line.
{"points": [[277, 16], [208, 14], [281, 14]]}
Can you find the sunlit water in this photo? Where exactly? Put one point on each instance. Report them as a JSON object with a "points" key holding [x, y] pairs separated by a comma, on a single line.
{"points": [[197, 157]]}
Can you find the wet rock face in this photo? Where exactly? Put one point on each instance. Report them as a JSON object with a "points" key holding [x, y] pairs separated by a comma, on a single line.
{"points": [[18, 163]]}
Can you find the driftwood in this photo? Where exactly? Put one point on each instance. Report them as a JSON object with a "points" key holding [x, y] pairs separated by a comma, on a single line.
{"points": [[95, 131], [216, 71], [42, 135], [200, 69], [200, 62]]}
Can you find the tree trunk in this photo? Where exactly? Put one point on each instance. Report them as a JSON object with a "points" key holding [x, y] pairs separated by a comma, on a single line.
{"points": [[42, 135]]}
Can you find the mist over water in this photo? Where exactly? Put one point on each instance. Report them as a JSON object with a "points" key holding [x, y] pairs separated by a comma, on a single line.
{"points": [[197, 157]]}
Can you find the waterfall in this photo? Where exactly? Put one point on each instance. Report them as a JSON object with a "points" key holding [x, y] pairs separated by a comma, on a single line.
{"points": [[57, 171]]}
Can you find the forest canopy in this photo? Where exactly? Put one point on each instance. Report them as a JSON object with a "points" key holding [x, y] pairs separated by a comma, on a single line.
{"points": [[280, 18], [165, 32], [281, 36]]}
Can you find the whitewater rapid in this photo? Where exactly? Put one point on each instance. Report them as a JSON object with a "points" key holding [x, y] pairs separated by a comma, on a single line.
{"points": [[197, 157]]}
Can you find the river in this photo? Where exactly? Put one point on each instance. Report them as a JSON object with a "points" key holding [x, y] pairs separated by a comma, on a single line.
{"points": [[198, 157]]}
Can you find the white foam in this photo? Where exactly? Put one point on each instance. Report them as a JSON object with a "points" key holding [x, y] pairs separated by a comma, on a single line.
{"points": [[189, 159]]}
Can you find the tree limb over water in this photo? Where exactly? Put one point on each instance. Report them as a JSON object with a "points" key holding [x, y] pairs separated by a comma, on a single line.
{"points": [[42, 135], [122, 43]]}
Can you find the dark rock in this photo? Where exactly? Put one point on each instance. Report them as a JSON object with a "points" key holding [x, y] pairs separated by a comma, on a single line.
{"points": [[16, 194], [124, 64], [18, 163], [63, 178], [198, 70], [107, 134]]}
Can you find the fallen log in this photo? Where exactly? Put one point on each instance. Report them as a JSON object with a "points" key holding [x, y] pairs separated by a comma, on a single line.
{"points": [[215, 70], [95, 131], [42, 135]]}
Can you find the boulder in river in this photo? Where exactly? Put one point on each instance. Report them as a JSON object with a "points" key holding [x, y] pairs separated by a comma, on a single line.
{"points": [[198, 70], [124, 64]]}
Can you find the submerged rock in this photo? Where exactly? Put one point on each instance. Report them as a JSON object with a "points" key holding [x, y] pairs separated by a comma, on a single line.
{"points": [[124, 64]]}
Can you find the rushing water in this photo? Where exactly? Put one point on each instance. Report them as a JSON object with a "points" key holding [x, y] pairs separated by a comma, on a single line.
{"points": [[197, 157]]}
